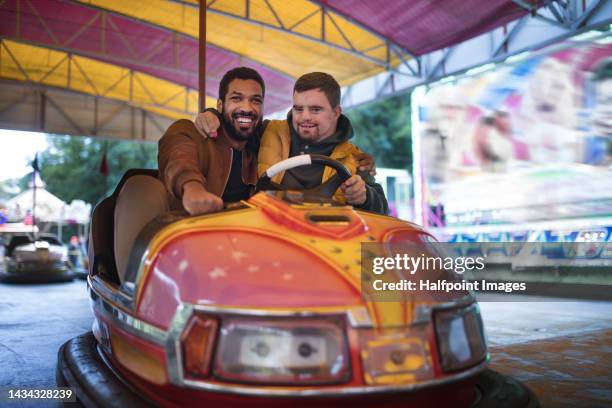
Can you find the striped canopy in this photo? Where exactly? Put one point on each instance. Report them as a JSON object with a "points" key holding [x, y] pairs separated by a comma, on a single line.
{"points": [[145, 53]]}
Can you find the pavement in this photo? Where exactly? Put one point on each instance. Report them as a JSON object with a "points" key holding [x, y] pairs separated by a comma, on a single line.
{"points": [[562, 350], [35, 320]]}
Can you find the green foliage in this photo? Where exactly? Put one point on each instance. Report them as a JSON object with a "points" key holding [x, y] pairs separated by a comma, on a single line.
{"points": [[383, 129], [70, 167]]}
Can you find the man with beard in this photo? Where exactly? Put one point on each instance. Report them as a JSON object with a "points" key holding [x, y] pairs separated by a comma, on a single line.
{"points": [[204, 173], [197, 174]]}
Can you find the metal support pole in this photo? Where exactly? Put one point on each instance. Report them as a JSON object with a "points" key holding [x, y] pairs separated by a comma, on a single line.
{"points": [[95, 129], [34, 200], [18, 20], [202, 58], [143, 124], [132, 123], [103, 33], [43, 106]]}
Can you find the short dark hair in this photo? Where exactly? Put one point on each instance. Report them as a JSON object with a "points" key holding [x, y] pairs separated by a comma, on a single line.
{"points": [[240, 73], [320, 80]]}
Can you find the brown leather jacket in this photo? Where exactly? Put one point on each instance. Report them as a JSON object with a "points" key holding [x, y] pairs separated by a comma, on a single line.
{"points": [[184, 155]]}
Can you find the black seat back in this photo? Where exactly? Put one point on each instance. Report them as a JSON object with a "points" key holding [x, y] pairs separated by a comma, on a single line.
{"points": [[101, 235]]}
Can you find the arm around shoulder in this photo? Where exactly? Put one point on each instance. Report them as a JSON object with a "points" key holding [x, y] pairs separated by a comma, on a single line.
{"points": [[271, 149]]}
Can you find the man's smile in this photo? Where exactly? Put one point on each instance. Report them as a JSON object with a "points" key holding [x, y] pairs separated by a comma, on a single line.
{"points": [[244, 121]]}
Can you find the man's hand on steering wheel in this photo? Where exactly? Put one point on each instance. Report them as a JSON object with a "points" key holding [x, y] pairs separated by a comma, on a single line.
{"points": [[354, 190]]}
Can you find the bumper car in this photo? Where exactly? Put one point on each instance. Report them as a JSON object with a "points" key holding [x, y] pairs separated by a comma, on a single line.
{"points": [[260, 305], [35, 260]]}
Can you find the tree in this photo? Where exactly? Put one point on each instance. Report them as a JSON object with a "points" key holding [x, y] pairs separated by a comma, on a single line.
{"points": [[383, 129], [71, 166]]}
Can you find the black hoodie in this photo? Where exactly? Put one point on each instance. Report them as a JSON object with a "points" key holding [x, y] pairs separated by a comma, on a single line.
{"points": [[305, 177]]}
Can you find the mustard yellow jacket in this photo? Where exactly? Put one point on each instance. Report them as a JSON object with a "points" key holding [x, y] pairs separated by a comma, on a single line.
{"points": [[275, 144]]}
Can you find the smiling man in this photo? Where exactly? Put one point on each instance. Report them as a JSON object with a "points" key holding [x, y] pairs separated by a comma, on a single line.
{"points": [[316, 125], [197, 174], [204, 173]]}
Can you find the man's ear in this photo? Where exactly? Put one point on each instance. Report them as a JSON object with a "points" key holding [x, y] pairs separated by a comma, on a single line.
{"points": [[338, 111], [219, 105]]}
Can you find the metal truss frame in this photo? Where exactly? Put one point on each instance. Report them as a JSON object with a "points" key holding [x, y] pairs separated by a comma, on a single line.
{"points": [[557, 13], [408, 60], [43, 108], [172, 39], [107, 26], [561, 19], [567, 17], [133, 77]]}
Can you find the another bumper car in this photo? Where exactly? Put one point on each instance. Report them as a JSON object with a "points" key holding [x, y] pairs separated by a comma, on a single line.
{"points": [[35, 260], [260, 305]]}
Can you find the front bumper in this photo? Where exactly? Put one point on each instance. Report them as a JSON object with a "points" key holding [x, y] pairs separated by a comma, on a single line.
{"points": [[81, 366]]}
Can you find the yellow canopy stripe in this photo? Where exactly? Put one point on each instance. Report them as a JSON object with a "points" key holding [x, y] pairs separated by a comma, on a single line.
{"points": [[23, 62], [292, 37]]}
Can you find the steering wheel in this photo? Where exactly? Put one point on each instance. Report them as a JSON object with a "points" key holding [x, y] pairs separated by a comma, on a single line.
{"points": [[326, 189]]}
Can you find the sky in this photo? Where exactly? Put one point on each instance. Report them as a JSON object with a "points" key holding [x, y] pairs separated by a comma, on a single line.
{"points": [[17, 150]]}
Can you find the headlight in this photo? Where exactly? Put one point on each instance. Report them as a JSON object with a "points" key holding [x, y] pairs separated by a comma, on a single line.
{"points": [[460, 336], [297, 351], [197, 345], [396, 356]]}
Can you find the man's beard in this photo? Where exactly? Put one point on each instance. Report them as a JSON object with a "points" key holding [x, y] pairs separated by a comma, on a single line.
{"points": [[231, 129]]}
